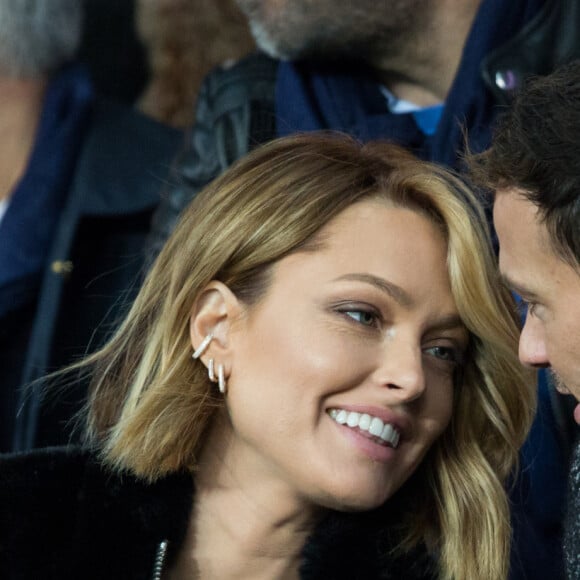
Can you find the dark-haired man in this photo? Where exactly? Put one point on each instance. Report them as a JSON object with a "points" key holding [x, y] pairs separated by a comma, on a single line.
{"points": [[534, 168]]}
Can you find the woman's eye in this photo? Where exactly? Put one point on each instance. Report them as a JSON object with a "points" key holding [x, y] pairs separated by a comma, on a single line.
{"points": [[445, 353], [363, 317]]}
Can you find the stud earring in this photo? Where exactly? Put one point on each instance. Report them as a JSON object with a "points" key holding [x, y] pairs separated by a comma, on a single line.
{"points": [[221, 380], [201, 348], [210, 370]]}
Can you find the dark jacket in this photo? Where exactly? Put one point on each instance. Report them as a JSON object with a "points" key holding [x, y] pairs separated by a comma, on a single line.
{"points": [[93, 268], [62, 516], [572, 534]]}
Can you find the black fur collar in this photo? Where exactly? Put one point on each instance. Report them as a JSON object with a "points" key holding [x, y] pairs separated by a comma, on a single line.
{"points": [[63, 516]]}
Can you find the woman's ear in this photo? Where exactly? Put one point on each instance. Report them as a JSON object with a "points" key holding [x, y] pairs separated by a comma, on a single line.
{"points": [[214, 312]]}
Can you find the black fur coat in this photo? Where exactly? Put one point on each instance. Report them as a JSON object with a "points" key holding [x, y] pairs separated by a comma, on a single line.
{"points": [[62, 516]]}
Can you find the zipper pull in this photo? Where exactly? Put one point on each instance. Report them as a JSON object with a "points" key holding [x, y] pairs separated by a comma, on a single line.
{"points": [[160, 560]]}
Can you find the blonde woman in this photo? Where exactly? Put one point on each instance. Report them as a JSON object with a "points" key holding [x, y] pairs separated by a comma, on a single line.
{"points": [[319, 379]]}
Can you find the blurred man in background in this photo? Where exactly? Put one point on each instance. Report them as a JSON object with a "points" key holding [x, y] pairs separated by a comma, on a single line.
{"points": [[79, 179]]}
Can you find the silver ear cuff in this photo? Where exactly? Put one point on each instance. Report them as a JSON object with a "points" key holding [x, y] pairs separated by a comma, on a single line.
{"points": [[201, 348]]}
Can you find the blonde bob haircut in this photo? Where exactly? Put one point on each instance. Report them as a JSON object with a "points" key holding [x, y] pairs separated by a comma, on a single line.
{"points": [[150, 404]]}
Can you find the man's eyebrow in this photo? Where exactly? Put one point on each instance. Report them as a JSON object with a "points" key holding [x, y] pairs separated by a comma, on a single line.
{"points": [[394, 291], [517, 288]]}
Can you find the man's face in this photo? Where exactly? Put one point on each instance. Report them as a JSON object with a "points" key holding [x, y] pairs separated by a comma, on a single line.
{"points": [[292, 29], [550, 287]]}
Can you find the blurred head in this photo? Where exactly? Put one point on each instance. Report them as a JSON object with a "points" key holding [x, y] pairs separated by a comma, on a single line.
{"points": [[38, 36], [533, 168], [364, 30], [255, 258]]}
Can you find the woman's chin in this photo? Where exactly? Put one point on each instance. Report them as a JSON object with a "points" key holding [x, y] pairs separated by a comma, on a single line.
{"points": [[356, 498]]}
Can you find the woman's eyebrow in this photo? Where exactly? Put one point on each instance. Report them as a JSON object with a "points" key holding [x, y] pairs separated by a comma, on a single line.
{"points": [[394, 291], [449, 322]]}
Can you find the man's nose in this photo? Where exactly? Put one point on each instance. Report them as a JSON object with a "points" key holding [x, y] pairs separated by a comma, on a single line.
{"points": [[532, 350]]}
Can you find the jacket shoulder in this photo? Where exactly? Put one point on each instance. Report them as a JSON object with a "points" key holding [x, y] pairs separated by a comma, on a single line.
{"points": [[572, 534], [125, 161], [41, 472], [132, 135], [354, 546], [38, 496], [235, 111], [65, 515], [235, 108], [243, 75], [549, 39]]}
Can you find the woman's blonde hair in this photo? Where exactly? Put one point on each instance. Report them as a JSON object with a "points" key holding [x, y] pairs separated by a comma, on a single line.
{"points": [[150, 404]]}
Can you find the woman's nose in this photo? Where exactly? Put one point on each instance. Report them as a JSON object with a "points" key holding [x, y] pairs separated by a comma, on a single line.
{"points": [[402, 370]]}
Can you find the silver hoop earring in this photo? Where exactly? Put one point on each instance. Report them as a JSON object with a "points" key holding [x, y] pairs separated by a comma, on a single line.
{"points": [[210, 370], [201, 348], [221, 380]]}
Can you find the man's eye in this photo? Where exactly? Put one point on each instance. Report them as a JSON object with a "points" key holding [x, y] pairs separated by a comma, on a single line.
{"points": [[526, 307], [532, 306], [363, 317]]}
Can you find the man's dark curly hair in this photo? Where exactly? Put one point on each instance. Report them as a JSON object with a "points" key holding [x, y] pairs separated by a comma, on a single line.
{"points": [[536, 149]]}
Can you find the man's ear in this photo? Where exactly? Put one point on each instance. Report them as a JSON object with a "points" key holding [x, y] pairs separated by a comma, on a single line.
{"points": [[214, 312]]}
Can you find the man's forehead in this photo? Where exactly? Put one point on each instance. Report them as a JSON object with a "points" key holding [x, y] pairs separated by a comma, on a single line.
{"points": [[512, 198], [528, 261], [522, 244], [519, 221]]}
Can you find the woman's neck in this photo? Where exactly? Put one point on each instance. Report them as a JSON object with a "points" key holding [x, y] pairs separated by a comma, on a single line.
{"points": [[245, 523]]}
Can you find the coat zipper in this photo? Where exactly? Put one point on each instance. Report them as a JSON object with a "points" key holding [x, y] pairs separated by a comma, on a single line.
{"points": [[160, 560]]}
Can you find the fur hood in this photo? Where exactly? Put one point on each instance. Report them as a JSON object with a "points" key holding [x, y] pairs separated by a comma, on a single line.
{"points": [[64, 516]]}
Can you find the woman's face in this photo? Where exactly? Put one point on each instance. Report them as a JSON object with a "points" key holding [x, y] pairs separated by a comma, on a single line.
{"points": [[342, 375]]}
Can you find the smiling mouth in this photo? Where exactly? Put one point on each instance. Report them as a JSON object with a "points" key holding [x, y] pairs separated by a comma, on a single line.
{"points": [[383, 433]]}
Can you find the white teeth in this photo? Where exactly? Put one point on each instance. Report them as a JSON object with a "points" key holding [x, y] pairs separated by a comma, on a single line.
{"points": [[365, 422], [376, 427], [352, 419], [339, 416], [387, 433]]}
